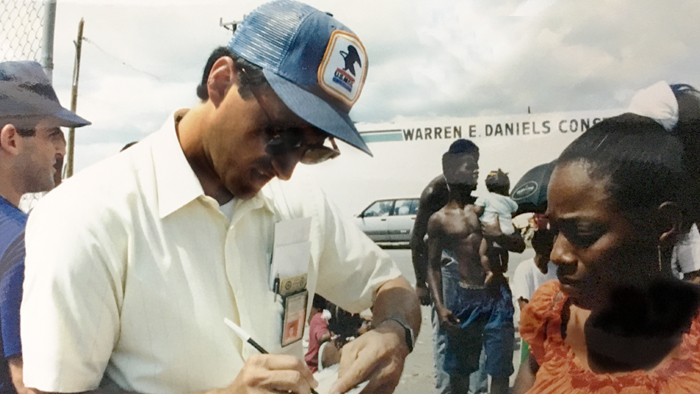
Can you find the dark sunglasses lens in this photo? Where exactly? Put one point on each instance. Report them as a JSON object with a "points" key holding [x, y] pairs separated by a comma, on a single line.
{"points": [[284, 143], [276, 147], [319, 155]]}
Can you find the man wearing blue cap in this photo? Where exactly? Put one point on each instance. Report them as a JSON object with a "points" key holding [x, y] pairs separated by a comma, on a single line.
{"points": [[31, 143], [193, 225]]}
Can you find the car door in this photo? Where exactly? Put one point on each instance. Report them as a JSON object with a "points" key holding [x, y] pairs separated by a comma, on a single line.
{"points": [[401, 220], [374, 220]]}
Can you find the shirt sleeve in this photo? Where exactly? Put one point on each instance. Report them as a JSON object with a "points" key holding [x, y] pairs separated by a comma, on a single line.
{"points": [[480, 201], [512, 204], [351, 266], [11, 296], [72, 294], [535, 317], [320, 328]]}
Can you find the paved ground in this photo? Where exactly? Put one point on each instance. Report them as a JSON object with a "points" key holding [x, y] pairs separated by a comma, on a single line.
{"points": [[418, 376]]}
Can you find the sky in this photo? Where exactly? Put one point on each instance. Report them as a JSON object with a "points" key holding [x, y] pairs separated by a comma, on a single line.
{"points": [[428, 59]]}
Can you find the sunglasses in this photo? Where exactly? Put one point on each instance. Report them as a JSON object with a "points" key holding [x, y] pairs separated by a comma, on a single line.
{"points": [[286, 139]]}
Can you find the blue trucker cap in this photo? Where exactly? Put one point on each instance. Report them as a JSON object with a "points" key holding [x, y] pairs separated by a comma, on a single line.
{"points": [[315, 64], [27, 98]]}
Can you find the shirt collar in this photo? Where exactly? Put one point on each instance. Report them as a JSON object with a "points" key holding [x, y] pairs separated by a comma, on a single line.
{"points": [[176, 182]]}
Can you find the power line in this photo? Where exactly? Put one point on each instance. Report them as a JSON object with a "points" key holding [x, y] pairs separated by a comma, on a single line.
{"points": [[118, 60]]}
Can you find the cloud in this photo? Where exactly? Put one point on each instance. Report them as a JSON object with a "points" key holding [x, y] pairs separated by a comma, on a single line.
{"points": [[427, 57]]}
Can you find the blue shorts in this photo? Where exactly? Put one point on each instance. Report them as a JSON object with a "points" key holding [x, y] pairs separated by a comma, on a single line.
{"points": [[486, 319]]}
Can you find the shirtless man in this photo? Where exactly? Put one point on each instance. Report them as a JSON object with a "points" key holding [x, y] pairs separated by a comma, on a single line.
{"points": [[472, 300]]}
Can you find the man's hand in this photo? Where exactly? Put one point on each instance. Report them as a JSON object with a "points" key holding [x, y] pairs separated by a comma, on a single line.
{"points": [[423, 293], [266, 373], [448, 321], [489, 278], [512, 243], [378, 355]]}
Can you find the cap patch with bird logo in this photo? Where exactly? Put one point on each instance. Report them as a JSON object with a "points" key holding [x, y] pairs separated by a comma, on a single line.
{"points": [[343, 68]]}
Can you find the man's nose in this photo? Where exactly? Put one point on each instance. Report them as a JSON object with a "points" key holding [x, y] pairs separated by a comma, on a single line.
{"points": [[284, 165]]}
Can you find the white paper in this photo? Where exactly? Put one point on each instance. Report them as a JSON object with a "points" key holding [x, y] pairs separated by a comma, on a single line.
{"points": [[328, 376], [292, 249], [292, 231]]}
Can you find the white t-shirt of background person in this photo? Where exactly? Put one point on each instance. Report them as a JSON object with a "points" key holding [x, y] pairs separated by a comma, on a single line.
{"points": [[496, 205], [527, 278], [686, 253], [131, 270]]}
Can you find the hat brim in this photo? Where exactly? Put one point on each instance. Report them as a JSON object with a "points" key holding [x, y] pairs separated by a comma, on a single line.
{"points": [[62, 119], [68, 118], [316, 111], [30, 113]]}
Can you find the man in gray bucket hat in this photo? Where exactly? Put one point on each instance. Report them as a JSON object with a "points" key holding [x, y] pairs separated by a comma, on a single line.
{"points": [[31, 144], [201, 221]]}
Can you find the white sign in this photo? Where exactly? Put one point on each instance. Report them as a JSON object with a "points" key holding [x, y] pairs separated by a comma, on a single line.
{"points": [[408, 153]]}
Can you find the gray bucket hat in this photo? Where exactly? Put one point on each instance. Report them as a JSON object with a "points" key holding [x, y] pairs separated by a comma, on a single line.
{"points": [[27, 98]]}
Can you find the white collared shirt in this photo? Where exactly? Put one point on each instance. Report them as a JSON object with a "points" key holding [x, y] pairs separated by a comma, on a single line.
{"points": [[131, 269]]}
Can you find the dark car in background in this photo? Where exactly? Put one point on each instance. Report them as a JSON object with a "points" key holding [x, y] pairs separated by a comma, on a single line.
{"points": [[389, 220]]}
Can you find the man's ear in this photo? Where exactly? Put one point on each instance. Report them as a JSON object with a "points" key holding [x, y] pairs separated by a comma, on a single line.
{"points": [[670, 220], [221, 77], [10, 140]]}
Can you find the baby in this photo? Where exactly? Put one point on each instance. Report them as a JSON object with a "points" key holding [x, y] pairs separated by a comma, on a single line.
{"points": [[497, 205]]}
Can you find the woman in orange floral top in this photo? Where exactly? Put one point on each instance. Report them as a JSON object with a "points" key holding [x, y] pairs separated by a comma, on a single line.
{"points": [[620, 197]]}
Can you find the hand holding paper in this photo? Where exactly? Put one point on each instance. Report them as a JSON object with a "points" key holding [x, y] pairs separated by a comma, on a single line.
{"points": [[328, 376], [376, 356]]}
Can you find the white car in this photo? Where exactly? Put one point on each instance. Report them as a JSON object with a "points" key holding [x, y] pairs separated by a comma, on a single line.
{"points": [[389, 220]]}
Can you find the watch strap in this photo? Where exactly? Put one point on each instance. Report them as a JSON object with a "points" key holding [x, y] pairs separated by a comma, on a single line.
{"points": [[408, 331]]}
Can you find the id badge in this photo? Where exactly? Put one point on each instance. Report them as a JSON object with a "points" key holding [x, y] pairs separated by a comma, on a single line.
{"points": [[294, 317]]}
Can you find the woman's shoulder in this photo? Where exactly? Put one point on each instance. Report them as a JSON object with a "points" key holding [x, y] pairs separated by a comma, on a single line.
{"points": [[546, 299], [540, 319]]}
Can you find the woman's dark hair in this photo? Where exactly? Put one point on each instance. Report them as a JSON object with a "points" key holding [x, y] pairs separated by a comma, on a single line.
{"points": [[644, 164], [253, 75]]}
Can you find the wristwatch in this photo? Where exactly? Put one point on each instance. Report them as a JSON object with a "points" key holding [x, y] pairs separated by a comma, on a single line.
{"points": [[409, 337]]}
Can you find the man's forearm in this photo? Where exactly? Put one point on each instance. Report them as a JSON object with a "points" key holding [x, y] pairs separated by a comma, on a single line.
{"points": [[419, 252], [16, 374], [513, 242], [397, 298]]}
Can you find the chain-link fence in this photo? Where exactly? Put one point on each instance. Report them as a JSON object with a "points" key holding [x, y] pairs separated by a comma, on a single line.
{"points": [[21, 29]]}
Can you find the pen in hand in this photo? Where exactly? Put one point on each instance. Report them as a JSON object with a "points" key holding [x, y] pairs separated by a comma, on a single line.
{"points": [[246, 338]]}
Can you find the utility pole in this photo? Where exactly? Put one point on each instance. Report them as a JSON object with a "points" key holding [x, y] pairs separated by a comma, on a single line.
{"points": [[70, 148], [47, 37]]}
